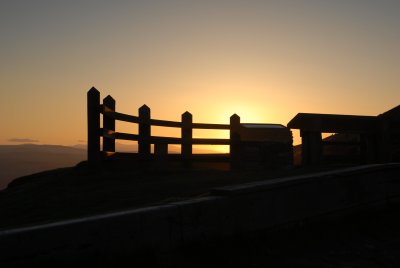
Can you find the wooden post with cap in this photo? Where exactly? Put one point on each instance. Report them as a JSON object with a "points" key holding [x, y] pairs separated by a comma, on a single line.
{"points": [[93, 124], [234, 147], [144, 132], [109, 125], [187, 138]]}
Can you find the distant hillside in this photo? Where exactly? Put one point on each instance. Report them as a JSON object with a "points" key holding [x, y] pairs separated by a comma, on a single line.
{"points": [[25, 159]]}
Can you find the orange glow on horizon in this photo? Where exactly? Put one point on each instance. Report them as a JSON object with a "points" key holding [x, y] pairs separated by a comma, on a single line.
{"points": [[263, 60]]}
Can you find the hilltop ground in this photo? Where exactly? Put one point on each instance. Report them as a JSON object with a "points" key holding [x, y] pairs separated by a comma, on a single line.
{"points": [[367, 239], [81, 190]]}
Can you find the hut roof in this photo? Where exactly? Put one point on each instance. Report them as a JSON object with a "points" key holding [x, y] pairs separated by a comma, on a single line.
{"points": [[333, 123]]}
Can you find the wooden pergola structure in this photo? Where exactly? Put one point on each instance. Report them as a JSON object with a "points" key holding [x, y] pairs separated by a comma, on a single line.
{"points": [[374, 132]]}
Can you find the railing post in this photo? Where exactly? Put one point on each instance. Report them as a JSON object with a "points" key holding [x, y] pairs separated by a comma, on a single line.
{"points": [[144, 132], [109, 125], [187, 138], [93, 123], [235, 147]]}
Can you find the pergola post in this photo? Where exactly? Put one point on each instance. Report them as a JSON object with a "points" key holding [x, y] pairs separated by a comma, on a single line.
{"points": [[384, 141], [311, 147]]}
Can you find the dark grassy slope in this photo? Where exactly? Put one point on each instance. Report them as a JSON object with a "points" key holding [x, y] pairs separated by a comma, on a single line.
{"points": [[369, 238], [78, 191], [73, 192]]}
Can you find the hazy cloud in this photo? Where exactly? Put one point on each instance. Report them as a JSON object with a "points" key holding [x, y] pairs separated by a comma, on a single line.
{"points": [[22, 140]]}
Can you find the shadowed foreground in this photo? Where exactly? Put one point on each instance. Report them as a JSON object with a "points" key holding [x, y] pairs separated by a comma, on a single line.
{"points": [[368, 239], [318, 226]]}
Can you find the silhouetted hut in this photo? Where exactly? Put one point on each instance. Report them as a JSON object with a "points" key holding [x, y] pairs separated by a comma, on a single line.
{"points": [[269, 145], [362, 139]]}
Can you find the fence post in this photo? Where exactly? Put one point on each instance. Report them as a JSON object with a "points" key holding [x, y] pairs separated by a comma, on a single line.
{"points": [[187, 138], [93, 123], [144, 132], [109, 124], [234, 147]]}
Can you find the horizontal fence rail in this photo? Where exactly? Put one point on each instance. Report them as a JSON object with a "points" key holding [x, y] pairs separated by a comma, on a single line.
{"points": [[144, 137], [121, 117], [210, 126]]}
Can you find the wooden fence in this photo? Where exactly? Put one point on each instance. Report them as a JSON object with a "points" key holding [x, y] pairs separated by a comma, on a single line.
{"points": [[144, 137]]}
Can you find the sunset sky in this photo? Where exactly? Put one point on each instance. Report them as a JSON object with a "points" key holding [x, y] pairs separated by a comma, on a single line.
{"points": [[264, 60]]}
